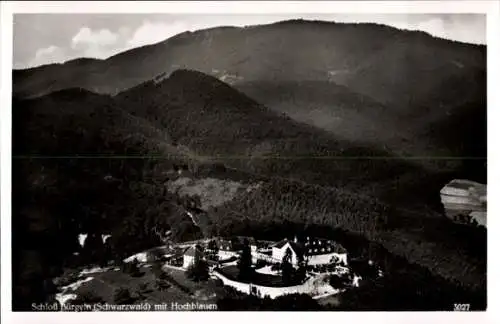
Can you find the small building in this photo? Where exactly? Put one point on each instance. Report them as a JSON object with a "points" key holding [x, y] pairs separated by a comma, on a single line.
{"points": [[465, 201], [191, 255], [280, 249], [321, 251], [227, 249], [237, 243], [225, 245]]}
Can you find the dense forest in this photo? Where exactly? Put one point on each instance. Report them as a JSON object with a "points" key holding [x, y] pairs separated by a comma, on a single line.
{"points": [[192, 106]]}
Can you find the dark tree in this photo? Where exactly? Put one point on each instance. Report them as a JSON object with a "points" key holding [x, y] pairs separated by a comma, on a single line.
{"points": [[287, 270], [288, 256], [143, 289], [158, 271], [276, 267], [198, 271], [94, 250], [245, 262], [213, 250], [162, 284], [339, 282], [301, 272]]}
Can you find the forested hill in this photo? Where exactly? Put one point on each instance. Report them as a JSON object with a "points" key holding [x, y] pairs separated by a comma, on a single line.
{"points": [[217, 121], [83, 165]]}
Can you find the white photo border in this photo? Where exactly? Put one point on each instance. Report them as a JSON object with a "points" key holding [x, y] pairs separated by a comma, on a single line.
{"points": [[8, 8]]}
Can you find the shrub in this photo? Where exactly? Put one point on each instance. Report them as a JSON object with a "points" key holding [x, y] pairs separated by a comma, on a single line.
{"points": [[261, 263], [122, 296], [87, 298], [143, 286], [198, 271], [276, 267], [339, 282], [162, 284], [132, 268]]}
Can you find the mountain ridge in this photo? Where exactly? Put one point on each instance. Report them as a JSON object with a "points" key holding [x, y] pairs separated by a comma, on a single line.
{"points": [[284, 22], [389, 30]]}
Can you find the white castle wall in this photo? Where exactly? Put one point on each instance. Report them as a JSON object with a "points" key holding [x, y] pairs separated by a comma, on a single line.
{"points": [[312, 286]]}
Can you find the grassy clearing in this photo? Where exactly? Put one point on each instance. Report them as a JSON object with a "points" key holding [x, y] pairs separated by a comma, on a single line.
{"points": [[213, 192], [143, 289], [262, 279]]}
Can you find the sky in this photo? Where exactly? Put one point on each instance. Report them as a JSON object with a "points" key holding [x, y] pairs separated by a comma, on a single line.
{"points": [[54, 38]]}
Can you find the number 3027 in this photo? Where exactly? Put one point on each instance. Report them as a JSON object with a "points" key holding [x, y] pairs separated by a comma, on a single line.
{"points": [[461, 307]]}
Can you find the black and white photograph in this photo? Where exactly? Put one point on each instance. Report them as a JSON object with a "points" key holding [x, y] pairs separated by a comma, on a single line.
{"points": [[232, 161]]}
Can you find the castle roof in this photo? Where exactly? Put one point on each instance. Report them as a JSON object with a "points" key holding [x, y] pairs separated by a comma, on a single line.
{"points": [[194, 250]]}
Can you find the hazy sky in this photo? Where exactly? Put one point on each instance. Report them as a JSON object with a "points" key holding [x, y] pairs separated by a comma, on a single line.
{"points": [[50, 38]]}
